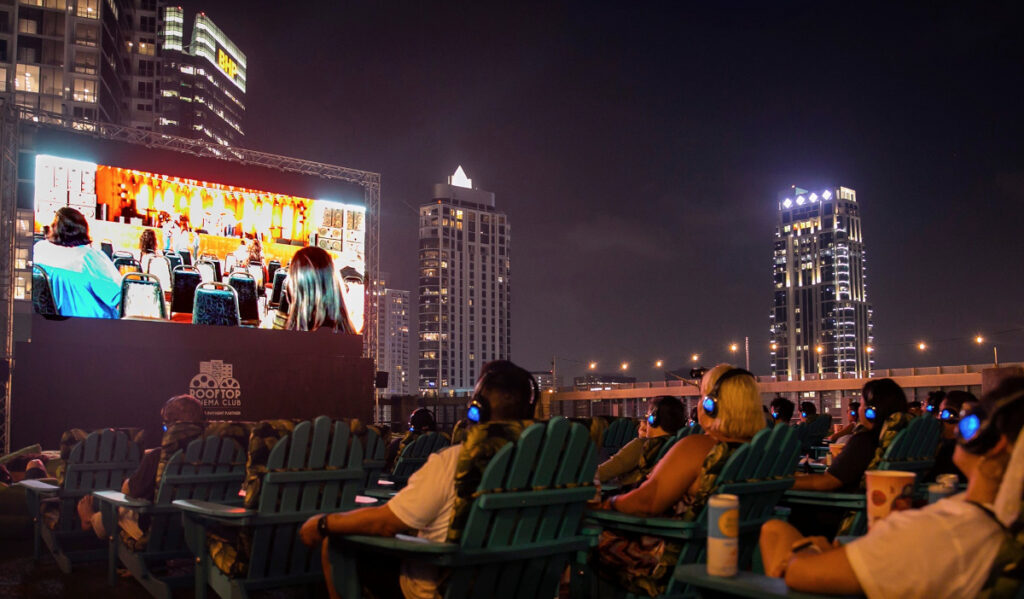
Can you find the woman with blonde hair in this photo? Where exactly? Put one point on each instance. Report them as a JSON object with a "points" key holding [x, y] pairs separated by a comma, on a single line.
{"points": [[730, 414], [313, 294]]}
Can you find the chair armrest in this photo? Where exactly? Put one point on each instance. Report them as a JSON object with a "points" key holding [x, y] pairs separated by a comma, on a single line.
{"points": [[212, 510], [744, 584], [400, 543], [38, 486], [120, 499]]}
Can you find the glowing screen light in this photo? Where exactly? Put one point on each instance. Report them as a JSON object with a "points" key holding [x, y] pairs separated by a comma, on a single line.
{"points": [[800, 200], [787, 203], [826, 194], [813, 197]]}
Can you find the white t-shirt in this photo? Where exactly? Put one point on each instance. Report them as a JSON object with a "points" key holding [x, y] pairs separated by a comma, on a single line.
{"points": [[426, 504], [942, 550]]}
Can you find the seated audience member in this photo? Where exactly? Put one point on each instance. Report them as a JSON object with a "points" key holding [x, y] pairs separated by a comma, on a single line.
{"points": [[853, 419], [84, 280], [808, 412], [949, 415], [781, 410], [631, 464], [420, 421], [178, 410], [681, 482], [914, 408], [425, 504], [934, 400], [961, 546], [314, 296]]}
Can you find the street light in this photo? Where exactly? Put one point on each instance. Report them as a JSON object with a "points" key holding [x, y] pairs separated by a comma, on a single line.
{"points": [[593, 366], [922, 346], [658, 364], [995, 350], [819, 349], [774, 346], [979, 340], [695, 357], [625, 365], [734, 347]]}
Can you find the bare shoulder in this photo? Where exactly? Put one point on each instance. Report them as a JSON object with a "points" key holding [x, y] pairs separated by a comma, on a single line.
{"points": [[689, 448]]}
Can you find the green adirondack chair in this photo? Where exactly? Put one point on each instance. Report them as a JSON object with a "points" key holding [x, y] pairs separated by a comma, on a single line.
{"points": [[759, 472], [912, 450], [374, 458], [100, 462], [744, 584], [523, 524], [317, 468], [209, 469], [618, 433], [811, 435], [413, 456]]}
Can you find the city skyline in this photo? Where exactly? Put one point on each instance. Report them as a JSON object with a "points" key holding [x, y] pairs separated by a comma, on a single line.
{"points": [[635, 147]]}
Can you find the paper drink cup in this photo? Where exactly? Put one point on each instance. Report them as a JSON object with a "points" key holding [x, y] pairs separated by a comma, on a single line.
{"points": [[888, 491], [723, 535]]}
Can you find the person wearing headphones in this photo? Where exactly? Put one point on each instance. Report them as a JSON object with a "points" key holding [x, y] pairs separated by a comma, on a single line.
{"points": [[420, 421], [882, 398], [843, 434], [682, 481], [960, 546], [781, 410], [808, 412], [631, 464], [504, 391], [949, 415]]}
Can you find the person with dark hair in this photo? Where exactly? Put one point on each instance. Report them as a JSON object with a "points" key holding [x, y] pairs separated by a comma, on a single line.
{"points": [[960, 546], [183, 419], [313, 295], [420, 421], [147, 242], [631, 464], [934, 400], [504, 391], [949, 415], [808, 412], [884, 398], [914, 408], [781, 410], [843, 434], [83, 279]]}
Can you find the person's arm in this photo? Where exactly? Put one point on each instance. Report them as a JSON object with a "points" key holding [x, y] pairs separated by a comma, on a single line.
{"points": [[625, 460], [378, 521], [842, 432], [669, 481], [817, 482], [828, 572]]}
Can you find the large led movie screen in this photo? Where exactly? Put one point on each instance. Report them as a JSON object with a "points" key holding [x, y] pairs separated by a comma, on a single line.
{"points": [[156, 242]]}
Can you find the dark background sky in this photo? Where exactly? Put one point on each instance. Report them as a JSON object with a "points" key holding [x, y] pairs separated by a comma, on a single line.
{"points": [[638, 149]]}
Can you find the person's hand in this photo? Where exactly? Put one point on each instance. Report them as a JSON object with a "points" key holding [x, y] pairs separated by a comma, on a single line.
{"points": [[309, 533], [821, 543]]}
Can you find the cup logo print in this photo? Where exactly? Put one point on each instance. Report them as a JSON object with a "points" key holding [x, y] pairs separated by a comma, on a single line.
{"points": [[217, 388]]}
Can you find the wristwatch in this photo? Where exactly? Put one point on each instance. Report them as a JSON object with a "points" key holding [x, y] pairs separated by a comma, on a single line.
{"points": [[321, 526]]}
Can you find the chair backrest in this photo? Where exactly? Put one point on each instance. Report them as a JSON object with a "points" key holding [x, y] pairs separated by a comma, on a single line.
{"points": [[161, 267], [415, 455], [121, 254], [248, 302], [209, 469], [207, 270], [374, 457], [107, 247], [527, 510], [126, 264], [142, 295], [186, 257], [186, 279], [272, 267], [279, 277], [914, 447], [759, 472], [215, 304], [315, 469], [256, 270], [42, 294], [101, 462], [619, 432], [174, 259], [230, 262]]}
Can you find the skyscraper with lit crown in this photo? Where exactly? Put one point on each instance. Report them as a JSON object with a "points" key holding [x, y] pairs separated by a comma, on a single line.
{"points": [[821, 321], [464, 290]]}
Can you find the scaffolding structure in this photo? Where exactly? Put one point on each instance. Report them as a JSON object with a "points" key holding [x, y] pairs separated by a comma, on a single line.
{"points": [[13, 118]]}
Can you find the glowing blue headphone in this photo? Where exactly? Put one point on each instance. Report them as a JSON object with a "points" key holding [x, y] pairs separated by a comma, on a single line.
{"points": [[948, 415], [870, 413], [710, 402]]}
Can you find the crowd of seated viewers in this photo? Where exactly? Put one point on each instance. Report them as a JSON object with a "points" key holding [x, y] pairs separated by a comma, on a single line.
{"points": [[90, 285], [952, 544]]}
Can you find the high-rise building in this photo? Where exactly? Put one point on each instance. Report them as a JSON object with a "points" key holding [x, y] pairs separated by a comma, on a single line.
{"points": [[464, 290], [77, 62], [821, 321], [394, 312], [203, 85]]}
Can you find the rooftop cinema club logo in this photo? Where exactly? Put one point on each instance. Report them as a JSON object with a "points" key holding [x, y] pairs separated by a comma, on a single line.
{"points": [[216, 387]]}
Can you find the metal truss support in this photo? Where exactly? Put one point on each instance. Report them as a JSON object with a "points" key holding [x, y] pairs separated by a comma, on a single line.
{"points": [[8, 237]]}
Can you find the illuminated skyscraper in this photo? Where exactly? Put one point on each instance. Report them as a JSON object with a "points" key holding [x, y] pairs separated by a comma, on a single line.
{"points": [[394, 314], [464, 291], [821, 319]]}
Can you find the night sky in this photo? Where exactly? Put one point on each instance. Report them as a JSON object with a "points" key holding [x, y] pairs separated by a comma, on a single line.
{"points": [[638, 149]]}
